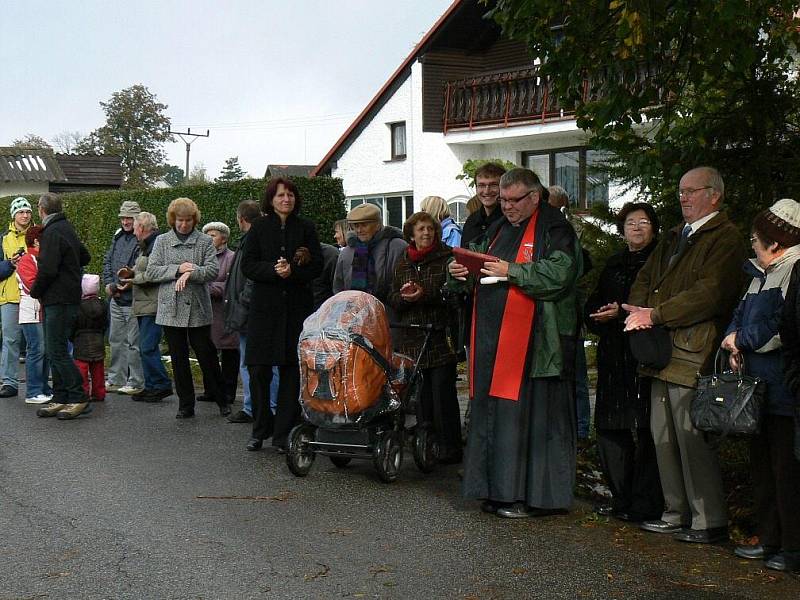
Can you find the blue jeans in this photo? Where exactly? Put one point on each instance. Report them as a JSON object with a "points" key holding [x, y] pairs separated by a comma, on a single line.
{"points": [[12, 332], [582, 392], [36, 367], [155, 375], [247, 402], [59, 322]]}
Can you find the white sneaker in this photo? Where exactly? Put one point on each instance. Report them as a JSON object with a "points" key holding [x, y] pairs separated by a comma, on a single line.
{"points": [[129, 389], [40, 399]]}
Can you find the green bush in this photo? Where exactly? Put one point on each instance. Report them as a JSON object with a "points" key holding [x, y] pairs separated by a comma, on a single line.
{"points": [[94, 214]]}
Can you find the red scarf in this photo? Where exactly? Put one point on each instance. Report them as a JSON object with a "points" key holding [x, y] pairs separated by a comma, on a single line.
{"points": [[515, 329], [415, 255]]}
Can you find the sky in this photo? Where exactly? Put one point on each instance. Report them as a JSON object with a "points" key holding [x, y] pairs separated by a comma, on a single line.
{"points": [[275, 82]]}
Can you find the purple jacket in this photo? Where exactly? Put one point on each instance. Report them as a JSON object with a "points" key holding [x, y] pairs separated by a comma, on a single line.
{"points": [[222, 340]]}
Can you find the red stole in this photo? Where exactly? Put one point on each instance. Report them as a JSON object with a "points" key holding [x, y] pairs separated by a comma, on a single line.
{"points": [[515, 329]]}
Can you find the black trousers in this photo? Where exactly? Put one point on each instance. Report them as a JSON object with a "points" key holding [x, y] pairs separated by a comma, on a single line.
{"points": [[179, 339], [439, 407], [631, 470], [776, 483], [59, 321], [229, 362], [287, 412]]}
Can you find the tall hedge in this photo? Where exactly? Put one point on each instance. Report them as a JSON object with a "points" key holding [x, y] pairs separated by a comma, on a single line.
{"points": [[94, 214]]}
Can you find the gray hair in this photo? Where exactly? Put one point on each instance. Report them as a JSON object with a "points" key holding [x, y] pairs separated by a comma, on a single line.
{"points": [[527, 178], [146, 221], [436, 207], [558, 196], [51, 203], [713, 179]]}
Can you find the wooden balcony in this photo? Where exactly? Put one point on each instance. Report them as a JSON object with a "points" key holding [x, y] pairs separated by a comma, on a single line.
{"points": [[501, 99]]}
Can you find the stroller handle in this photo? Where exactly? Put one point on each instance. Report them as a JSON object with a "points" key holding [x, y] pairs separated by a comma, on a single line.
{"points": [[425, 327]]}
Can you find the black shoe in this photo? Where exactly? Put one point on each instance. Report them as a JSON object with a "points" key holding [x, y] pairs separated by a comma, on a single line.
{"points": [[254, 444], [490, 507], [8, 392], [702, 536], [515, 511], [756, 552], [224, 409], [185, 414], [240, 417], [141, 396], [624, 515], [158, 395], [604, 510], [660, 526], [204, 398], [784, 561]]}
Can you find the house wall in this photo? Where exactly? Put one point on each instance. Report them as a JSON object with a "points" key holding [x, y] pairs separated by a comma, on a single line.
{"points": [[22, 188], [366, 167]]}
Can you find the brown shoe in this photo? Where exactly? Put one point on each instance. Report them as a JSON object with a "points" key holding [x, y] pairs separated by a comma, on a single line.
{"points": [[50, 409], [70, 411]]}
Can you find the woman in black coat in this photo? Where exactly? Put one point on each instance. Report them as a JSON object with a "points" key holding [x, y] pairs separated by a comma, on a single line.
{"points": [[622, 405], [281, 255]]}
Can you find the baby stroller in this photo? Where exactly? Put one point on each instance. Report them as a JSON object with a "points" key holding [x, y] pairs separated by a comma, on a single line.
{"points": [[356, 394]]}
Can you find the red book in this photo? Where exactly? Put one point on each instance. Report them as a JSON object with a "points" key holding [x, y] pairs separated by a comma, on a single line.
{"points": [[473, 260]]}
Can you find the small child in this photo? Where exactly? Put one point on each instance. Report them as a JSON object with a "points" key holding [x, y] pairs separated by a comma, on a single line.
{"points": [[89, 338]]}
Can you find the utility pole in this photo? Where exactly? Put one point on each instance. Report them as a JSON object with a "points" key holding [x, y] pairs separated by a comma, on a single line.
{"points": [[188, 133]]}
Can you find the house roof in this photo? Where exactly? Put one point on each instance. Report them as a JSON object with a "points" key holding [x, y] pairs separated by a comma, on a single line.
{"points": [[396, 79], [65, 170], [288, 170], [29, 165]]}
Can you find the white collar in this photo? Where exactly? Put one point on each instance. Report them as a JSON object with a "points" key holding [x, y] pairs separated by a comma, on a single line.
{"points": [[700, 222]]}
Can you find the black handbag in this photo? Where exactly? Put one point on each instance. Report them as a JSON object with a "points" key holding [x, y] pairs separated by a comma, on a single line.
{"points": [[727, 402]]}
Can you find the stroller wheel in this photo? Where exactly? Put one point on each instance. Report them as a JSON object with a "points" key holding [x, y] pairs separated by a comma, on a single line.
{"points": [[388, 456], [425, 449], [340, 461], [299, 456]]}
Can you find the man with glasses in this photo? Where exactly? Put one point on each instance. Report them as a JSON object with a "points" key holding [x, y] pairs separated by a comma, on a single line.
{"points": [[487, 183], [520, 455], [689, 285]]}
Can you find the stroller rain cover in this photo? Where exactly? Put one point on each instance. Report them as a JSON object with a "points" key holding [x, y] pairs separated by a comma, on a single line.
{"points": [[348, 372]]}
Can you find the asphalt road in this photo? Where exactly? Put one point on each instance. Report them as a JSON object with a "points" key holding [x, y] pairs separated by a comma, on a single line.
{"points": [[131, 503]]}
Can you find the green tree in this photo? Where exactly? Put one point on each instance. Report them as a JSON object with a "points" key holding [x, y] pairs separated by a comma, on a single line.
{"points": [[665, 86], [198, 175], [173, 175], [136, 129], [31, 141], [67, 141], [232, 171]]}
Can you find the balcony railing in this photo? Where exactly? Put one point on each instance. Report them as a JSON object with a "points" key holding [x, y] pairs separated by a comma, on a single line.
{"points": [[501, 99]]}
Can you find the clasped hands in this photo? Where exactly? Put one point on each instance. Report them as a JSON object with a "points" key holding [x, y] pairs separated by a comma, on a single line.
{"points": [[185, 269]]}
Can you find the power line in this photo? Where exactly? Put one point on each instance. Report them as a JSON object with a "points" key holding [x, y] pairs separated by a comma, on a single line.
{"points": [[188, 133], [291, 122]]}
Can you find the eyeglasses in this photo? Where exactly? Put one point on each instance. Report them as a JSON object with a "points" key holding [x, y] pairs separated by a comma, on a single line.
{"points": [[691, 191], [513, 201], [640, 223], [482, 187], [753, 239]]}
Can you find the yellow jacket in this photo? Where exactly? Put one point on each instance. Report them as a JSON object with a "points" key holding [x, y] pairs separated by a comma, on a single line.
{"points": [[13, 240]]}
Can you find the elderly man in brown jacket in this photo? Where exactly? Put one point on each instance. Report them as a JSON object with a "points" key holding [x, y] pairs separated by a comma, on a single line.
{"points": [[690, 285]]}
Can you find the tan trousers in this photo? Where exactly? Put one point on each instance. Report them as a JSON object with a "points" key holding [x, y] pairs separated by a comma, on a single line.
{"points": [[688, 467]]}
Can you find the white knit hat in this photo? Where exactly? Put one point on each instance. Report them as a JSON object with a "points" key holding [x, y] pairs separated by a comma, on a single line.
{"points": [[218, 226], [781, 222]]}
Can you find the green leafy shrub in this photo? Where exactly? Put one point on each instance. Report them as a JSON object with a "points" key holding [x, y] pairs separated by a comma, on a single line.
{"points": [[94, 214]]}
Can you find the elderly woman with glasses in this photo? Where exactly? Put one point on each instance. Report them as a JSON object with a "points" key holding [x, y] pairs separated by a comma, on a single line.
{"points": [[622, 405], [182, 262]]}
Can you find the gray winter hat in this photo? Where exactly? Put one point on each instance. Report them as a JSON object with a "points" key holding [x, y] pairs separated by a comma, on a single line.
{"points": [[129, 208], [219, 226]]}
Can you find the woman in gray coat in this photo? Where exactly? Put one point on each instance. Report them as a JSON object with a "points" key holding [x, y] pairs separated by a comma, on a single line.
{"points": [[183, 261]]}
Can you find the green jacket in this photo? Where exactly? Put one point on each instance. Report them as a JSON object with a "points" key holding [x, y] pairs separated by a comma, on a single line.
{"points": [[695, 297], [551, 281]]}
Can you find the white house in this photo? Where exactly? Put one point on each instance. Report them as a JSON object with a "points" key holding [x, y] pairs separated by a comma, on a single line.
{"points": [[463, 93]]}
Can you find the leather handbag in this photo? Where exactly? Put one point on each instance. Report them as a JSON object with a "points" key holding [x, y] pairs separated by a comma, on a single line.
{"points": [[727, 402]]}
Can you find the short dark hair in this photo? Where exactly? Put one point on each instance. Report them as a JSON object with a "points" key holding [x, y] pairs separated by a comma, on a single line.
{"points": [[272, 189], [33, 233], [418, 217], [630, 207], [527, 178], [248, 210], [490, 169], [50, 203]]}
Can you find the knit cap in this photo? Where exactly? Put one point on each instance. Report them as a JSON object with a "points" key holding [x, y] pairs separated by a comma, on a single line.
{"points": [[19, 204], [780, 222], [90, 285], [218, 226]]}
